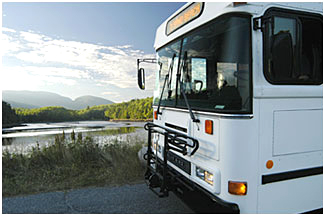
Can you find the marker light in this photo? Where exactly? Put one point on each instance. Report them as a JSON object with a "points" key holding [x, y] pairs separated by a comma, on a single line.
{"points": [[269, 164], [237, 188], [209, 127], [185, 16], [155, 114], [235, 4]]}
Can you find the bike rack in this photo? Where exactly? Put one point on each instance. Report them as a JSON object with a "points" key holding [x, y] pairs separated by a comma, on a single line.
{"points": [[158, 176]]}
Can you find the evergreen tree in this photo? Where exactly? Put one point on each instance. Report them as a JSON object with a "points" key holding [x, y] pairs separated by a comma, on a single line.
{"points": [[9, 116], [134, 109]]}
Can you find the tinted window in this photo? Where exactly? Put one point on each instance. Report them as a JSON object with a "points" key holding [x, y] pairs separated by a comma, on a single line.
{"points": [[215, 66], [166, 74], [293, 48], [212, 65]]}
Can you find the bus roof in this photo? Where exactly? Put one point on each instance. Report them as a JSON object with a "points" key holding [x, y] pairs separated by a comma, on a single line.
{"points": [[212, 10]]}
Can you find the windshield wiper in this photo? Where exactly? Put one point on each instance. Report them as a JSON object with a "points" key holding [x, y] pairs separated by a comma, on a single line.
{"points": [[170, 74], [183, 92], [166, 78]]}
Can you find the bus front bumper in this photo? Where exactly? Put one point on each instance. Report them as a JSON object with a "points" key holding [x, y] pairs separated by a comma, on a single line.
{"points": [[193, 195]]}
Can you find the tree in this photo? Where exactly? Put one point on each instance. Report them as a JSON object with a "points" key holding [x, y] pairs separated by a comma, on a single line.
{"points": [[9, 116], [134, 109]]}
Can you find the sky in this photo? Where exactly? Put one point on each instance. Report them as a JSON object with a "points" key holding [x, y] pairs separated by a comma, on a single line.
{"points": [[77, 49]]}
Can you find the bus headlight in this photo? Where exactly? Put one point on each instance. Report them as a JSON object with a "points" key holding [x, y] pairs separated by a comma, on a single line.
{"points": [[154, 144], [156, 147], [204, 175]]}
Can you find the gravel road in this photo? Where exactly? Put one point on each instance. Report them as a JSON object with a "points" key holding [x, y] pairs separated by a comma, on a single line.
{"points": [[109, 200]]}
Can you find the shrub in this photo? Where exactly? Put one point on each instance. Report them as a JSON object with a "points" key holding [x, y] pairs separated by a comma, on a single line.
{"points": [[70, 163]]}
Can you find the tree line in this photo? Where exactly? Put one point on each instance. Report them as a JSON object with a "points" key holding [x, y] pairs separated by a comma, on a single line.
{"points": [[9, 116], [137, 109]]}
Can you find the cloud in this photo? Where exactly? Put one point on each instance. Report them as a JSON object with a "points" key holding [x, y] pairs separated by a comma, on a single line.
{"points": [[57, 72], [7, 29], [32, 37], [31, 78], [66, 61]]}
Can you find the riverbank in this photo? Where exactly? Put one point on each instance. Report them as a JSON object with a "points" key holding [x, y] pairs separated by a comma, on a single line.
{"points": [[131, 120], [22, 139], [13, 125], [9, 126], [71, 163]]}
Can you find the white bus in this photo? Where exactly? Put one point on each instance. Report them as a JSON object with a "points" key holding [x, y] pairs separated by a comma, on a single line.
{"points": [[238, 106]]}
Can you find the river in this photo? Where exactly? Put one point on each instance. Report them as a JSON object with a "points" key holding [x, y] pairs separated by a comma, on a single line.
{"points": [[22, 139]]}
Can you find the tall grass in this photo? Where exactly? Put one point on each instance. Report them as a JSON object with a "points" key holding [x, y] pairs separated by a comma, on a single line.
{"points": [[71, 163]]}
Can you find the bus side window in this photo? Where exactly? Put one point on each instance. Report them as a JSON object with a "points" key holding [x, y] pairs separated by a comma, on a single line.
{"points": [[282, 40], [293, 49], [312, 51]]}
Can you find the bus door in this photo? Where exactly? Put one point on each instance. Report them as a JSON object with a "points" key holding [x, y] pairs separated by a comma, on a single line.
{"points": [[291, 112]]}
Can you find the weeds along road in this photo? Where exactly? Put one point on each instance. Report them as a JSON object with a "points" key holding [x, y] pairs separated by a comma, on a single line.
{"points": [[104, 200]]}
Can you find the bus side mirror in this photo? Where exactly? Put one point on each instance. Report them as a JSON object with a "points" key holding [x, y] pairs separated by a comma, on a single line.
{"points": [[141, 79], [282, 55]]}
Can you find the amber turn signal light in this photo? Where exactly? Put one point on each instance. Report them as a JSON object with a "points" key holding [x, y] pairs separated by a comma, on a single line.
{"points": [[237, 188], [235, 4], [269, 164], [209, 127], [155, 115]]}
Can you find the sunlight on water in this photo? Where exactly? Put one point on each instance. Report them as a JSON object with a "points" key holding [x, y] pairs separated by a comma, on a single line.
{"points": [[23, 138]]}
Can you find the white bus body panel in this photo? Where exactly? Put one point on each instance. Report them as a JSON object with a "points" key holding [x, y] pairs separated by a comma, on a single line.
{"points": [[284, 120], [297, 131], [290, 134], [231, 146], [291, 196], [293, 145]]}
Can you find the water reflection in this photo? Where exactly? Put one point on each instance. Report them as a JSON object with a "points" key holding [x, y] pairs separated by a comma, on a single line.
{"points": [[22, 139], [7, 141]]}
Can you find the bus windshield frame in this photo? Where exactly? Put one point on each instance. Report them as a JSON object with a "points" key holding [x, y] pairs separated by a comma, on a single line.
{"points": [[213, 64]]}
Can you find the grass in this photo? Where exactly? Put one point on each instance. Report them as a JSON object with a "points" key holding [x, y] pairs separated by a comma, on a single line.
{"points": [[114, 131], [71, 163]]}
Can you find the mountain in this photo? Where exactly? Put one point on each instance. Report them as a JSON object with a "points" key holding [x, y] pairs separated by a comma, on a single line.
{"points": [[20, 105], [35, 99], [81, 102]]}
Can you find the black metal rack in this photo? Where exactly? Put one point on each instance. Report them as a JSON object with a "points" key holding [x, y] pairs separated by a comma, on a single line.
{"points": [[158, 176]]}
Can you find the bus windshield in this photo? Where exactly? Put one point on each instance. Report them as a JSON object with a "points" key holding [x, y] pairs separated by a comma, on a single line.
{"points": [[213, 66]]}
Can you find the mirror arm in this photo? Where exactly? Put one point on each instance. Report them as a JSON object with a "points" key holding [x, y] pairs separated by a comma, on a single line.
{"points": [[138, 64], [259, 22], [146, 60]]}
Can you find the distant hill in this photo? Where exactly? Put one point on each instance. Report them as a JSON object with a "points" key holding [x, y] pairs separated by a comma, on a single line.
{"points": [[36, 99], [84, 101], [20, 105]]}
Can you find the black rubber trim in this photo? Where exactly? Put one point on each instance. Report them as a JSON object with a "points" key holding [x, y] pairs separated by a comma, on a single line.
{"points": [[179, 162], [316, 211], [176, 127], [271, 178]]}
